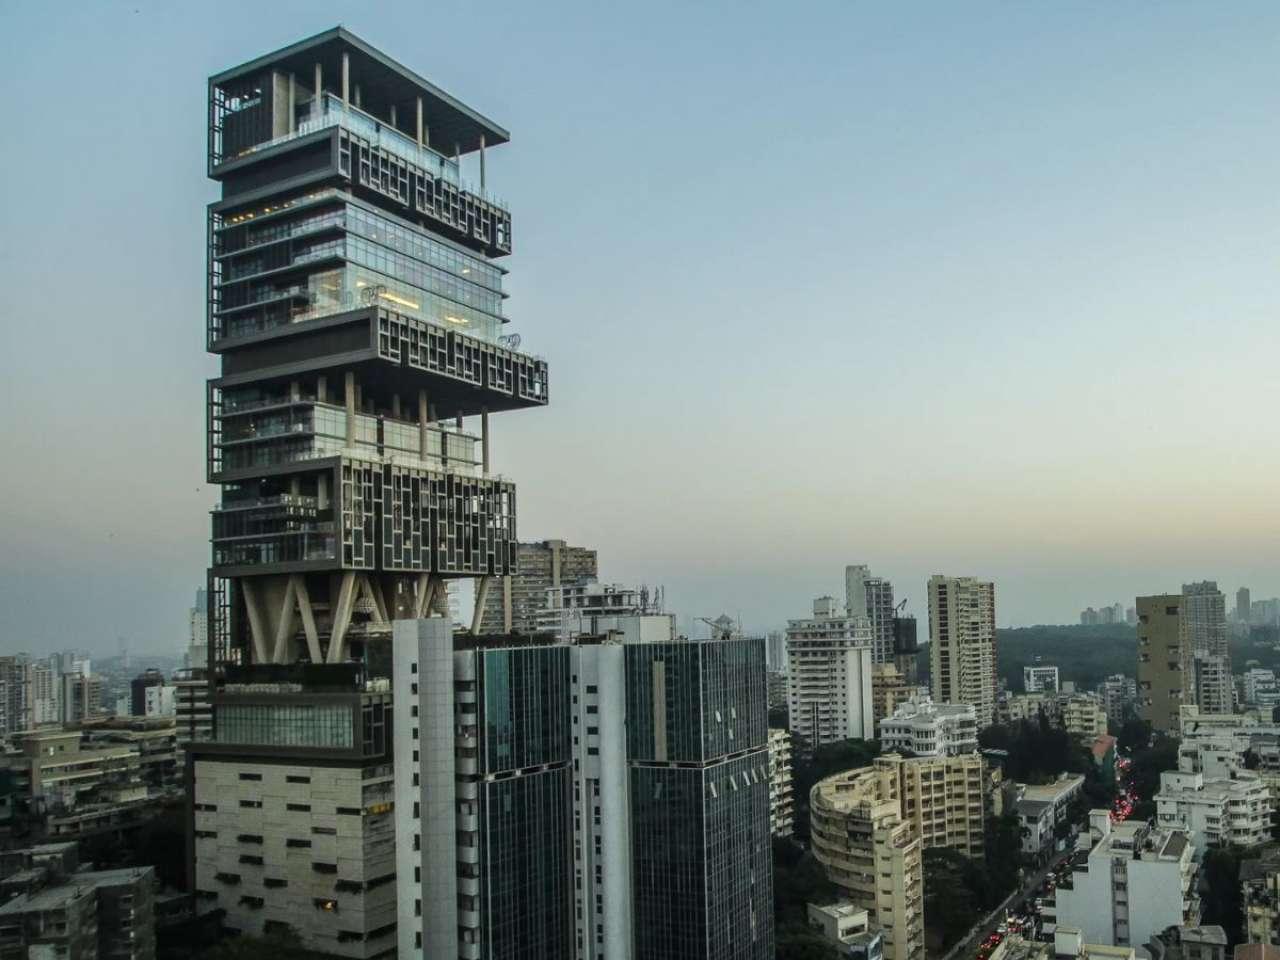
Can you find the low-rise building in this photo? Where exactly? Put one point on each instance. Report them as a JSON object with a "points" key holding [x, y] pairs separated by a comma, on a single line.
{"points": [[1215, 813], [1207, 942], [1259, 688], [1260, 896], [1031, 706], [1084, 717], [1068, 944], [1133, 882], [88, 914], [848, 928], [155, 738], [1039, 679], [928, 729], [1044, 811], [1119, 695], [781, 801]]}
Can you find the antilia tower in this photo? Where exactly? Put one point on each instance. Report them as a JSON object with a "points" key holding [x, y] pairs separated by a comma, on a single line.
{"points": [[355, 301]]}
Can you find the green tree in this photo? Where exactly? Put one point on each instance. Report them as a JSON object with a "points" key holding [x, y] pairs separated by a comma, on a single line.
{"points": [[277, 945], [1221, 896], [798, 880], [826, 761]]}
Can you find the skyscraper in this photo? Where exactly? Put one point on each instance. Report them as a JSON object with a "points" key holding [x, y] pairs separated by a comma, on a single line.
{"points": [[1244, 606], [962, 643], [872, 597], [197, 652], [698, 769], [1162, 660], [1203, 626], [829, 677], [357, 311]]}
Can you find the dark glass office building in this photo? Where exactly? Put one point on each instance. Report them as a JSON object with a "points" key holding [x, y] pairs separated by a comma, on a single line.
{"points": [[355, 302], [698, 759]]}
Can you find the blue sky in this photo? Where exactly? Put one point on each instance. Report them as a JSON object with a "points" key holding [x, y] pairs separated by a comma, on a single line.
{"points": [[981, 289]]}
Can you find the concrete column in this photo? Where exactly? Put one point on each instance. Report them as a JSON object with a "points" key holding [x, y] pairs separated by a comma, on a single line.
{"points": [[295, 484], [293, 100], [351, 405], [422, 130], [322, 490], [393, 115], [484, 440], [357, 100], [322, 388], [317, 103], [482, 163], [458, 422], [295, 390], [395, 405], [346, 79]]}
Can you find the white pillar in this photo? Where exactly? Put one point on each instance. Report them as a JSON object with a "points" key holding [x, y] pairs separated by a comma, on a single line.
{"points": [[346, 79], [317, 103], [422, 131], [351, 408], [482, 163], [293, 101], [484, 440]]}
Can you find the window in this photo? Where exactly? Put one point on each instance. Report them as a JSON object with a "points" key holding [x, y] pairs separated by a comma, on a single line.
{"points": [[348, 811], [295, 779], [298, 807], [297, 844], [325, 831], [327, 904], [250, 776], [323, 867], [251, 803]]}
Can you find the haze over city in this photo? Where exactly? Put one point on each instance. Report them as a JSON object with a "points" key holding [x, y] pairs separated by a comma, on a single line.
{"points": [[986, 292]]}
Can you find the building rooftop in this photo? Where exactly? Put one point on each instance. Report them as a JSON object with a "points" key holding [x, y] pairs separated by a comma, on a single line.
{"points": [[1053, 792], [384, 82], [1211, 933]]}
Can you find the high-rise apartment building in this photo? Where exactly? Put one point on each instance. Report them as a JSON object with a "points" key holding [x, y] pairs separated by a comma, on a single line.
{"points": [[1161, 660], [293, 823], [776, 650], [357, 309], [781, 795], [1204, 618], [872, 597], [1119, 694], [829, 692], [1244, 606], [871, 852], [513, 603], [197, 652], [962, 643], [906, 648], [138, 688], [193, 713], [945, 798]]}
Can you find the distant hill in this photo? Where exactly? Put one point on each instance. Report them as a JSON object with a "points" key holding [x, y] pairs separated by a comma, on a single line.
{"points": [[1086, 655]]}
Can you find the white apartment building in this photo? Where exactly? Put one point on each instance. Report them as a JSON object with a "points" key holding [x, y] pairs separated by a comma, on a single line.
{"points": [[962, 643], [829, 674], [1212, 683], [781, 799], [1042, 807], [929, 729], [871, 597], [1040, 679], [1029, 706], [1215, 813], [1135, 881], [1260, 688]]}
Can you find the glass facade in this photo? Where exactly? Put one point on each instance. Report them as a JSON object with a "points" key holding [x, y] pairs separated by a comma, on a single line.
{"points": [[526, 900], [277, 271], [526, 694], [330, 725], [697, 737]]}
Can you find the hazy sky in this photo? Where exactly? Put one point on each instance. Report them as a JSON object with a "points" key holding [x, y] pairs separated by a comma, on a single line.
{"points": [[983, 289]]}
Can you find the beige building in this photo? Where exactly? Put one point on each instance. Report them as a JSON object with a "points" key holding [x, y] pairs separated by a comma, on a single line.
{"points": [[1162, 660], [962, 643], [1260, 886], [514, 601], [872, 854], [888, 689], [944, 798], [1084, 717]]}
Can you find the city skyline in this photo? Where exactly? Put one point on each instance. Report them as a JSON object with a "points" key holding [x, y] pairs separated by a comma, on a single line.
{"points": [[1053, 469]]}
